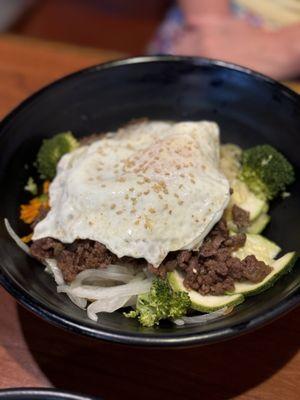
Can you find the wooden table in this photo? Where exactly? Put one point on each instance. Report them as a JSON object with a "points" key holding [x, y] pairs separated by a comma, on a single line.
{"points": [[264, 365]]}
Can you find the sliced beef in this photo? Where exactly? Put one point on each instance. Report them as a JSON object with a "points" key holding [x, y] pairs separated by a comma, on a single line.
{"points": [[240, 217], [213, 270], [46, 248], [75, 257], [255, 271], [81, 255]]}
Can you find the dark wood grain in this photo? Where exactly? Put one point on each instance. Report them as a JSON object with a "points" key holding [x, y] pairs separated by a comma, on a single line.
{"points": [[264, 365]]}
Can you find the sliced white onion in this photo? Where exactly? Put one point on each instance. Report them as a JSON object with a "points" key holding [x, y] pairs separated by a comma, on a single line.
{"points": [[15, 237], [113, 272], [201, 319], [108, 305], [95, 276], [136, 286], [125, 268], [81, 303], [52, 267]]}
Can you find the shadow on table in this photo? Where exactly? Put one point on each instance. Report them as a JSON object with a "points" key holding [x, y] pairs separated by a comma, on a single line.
{"points": [[215, 372]]}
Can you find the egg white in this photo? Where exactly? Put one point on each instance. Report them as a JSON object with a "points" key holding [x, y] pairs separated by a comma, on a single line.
{"points": [[149, 189]]}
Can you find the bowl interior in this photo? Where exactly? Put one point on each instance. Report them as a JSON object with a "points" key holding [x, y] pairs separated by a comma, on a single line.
{"points": [[249, 109]]}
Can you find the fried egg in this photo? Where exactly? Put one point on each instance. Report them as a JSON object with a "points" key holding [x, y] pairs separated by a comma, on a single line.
{"points": [[144, 191]]}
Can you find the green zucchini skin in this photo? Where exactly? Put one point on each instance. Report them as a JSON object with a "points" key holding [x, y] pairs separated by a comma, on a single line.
{"points": [[202, 303], [259, 224]]}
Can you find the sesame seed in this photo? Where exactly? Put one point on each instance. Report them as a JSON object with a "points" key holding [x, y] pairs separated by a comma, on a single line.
{"points": [[133, 211], [146, 192], [182, 175], [119, 212], [152, 210], [170, 212], [148, 223], [131, 189], [176, 195], [180, 186], [113, 206], [180, 202], [126, 196], [193, 181]]}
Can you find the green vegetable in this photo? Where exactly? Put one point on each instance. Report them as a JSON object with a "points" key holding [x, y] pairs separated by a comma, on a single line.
{"points": [[199, 302], [266, 171], [259, 224], [160, 303], [31, 186], [264, 249], [52, 150]]}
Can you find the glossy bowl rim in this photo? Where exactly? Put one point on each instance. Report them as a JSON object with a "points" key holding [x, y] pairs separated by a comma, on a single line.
{"points": [[39, 393], [143, 339]]}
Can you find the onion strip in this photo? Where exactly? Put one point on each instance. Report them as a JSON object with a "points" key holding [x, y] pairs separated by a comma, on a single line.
{"points": [[15, 237], [201, 319]]}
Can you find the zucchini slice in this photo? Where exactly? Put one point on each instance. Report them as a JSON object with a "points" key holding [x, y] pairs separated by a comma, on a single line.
{"points": [[280, 267], [261, 247], [246, 200], [203, 303], [259, 224]]}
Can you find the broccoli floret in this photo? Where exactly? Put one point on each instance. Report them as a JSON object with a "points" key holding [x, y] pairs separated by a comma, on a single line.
{"points": [[31, 186], [52, 150], [266, 171], [160, 303]]}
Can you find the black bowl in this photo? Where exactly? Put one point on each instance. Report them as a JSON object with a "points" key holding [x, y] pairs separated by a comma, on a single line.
{"points": [[250, 109], [40, 394]]}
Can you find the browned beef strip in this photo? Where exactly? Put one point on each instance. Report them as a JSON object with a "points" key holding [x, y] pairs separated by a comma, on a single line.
{"points": [[46, 248], [255, 271], [240, 217], [75, 257], [213, 270]]}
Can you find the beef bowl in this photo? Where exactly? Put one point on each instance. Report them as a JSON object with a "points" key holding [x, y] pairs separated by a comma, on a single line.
{"points": [[250, 109]]}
